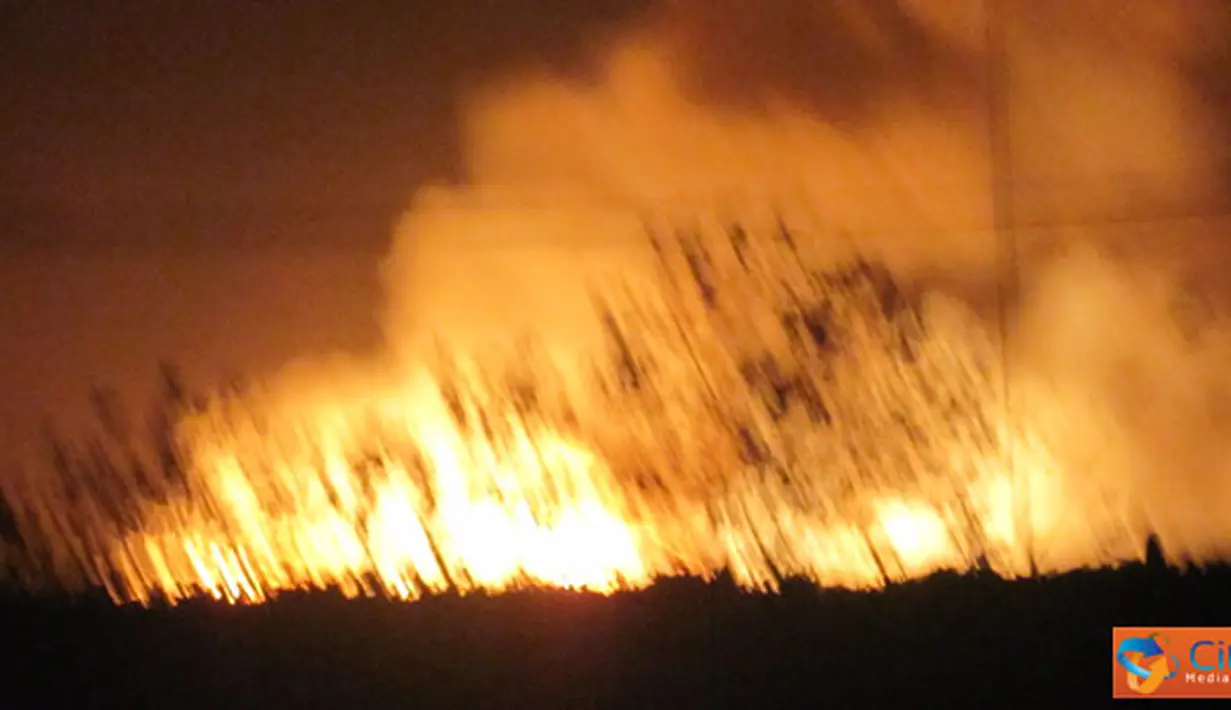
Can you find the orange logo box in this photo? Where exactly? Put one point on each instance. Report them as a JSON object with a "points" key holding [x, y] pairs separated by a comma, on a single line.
{"points": [[1171, 662]]}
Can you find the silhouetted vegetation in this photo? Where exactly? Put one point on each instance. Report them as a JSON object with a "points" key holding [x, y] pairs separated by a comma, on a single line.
{"points": [[820, 386]]}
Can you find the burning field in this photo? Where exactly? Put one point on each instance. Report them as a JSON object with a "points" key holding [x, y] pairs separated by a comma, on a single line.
{"points": [[752, 393], [728, 353], [744, 412]]}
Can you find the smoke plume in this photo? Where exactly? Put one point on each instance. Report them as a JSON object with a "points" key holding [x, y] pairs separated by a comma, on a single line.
{"points": [[877, 127]]}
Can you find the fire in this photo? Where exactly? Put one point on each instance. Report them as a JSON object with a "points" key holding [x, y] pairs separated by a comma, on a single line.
{"points": [[883, 459], [487, 519], [918, 535], [389, 539], [544, 511]]}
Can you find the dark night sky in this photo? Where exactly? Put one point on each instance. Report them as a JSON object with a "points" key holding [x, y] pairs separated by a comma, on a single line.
{"points": [[216, 181], [230, 123]]}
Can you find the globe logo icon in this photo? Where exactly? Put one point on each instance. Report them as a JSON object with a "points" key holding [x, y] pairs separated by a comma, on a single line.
{"points": [[1146, 663]]}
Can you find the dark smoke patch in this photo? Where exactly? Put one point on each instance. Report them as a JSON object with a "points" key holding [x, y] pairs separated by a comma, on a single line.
{"points": [[838, 59], [557, 35], [1210, 75]]}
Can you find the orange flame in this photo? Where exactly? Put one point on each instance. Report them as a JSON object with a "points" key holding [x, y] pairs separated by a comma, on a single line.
{"points": [[460, 483]]}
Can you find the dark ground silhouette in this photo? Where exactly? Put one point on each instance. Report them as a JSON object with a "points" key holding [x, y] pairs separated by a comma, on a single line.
{"points": [[946, 641]]}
